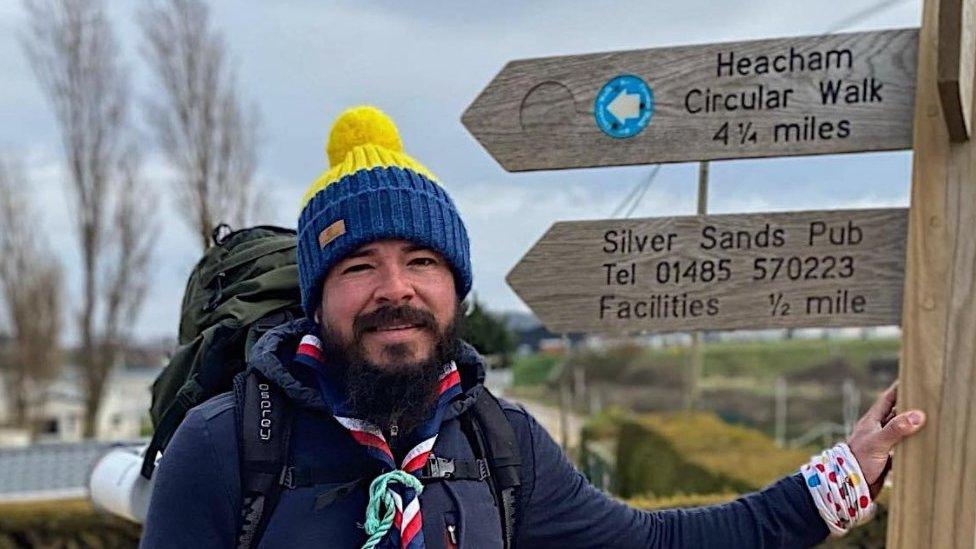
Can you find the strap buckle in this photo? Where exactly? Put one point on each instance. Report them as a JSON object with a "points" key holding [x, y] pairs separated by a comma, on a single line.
{"points": [[287, 478], [438, 467], [483, 469]]}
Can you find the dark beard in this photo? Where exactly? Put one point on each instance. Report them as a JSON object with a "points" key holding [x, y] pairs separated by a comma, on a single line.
{"points": [[402, 395]]}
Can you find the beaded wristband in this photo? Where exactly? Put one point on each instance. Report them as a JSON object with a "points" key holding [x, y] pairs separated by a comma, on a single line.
{"points": [[838, 489]]}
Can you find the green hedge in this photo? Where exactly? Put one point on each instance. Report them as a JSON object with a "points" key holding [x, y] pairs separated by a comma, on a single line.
{"points": [[663, 455], [533, 369], [63, 524], [649, 464], [696, 453]]}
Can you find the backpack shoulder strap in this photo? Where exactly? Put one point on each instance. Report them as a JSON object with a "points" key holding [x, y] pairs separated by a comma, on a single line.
{"points": [[493, 433], [264, 428]]}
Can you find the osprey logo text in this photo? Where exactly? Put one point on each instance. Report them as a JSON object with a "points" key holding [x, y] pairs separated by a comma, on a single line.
{"points": [[265, 423]]}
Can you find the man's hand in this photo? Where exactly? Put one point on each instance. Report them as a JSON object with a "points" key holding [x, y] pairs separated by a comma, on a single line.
{"points": [[878, 432]]}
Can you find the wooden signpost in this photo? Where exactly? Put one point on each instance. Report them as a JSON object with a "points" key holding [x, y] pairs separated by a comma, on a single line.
{"points": [[779, 270], [791, 96], [934, 475], [855, 92]]}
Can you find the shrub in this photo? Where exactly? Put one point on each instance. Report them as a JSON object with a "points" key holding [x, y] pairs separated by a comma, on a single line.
{"points": [[649, 463], [533, 369], [663, 455]]}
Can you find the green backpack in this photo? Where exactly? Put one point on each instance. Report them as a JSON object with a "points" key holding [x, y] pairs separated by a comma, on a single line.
{"points": [[244, 285]]}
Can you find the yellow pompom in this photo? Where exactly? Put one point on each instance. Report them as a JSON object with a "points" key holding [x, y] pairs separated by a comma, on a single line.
{"points": [[359, 126]]}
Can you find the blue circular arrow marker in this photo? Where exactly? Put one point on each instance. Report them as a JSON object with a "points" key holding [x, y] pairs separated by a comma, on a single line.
{"points": [[624, 106]]}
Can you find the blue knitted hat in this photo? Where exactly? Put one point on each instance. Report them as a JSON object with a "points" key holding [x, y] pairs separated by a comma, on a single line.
{"points": [[374, 191]]}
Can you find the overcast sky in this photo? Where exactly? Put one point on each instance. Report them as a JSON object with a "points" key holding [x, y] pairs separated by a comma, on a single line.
{"points": [[303, 62]]}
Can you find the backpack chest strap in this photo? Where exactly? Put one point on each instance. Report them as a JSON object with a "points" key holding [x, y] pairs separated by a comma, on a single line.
{"points": [[438, 468], [300, 477]]}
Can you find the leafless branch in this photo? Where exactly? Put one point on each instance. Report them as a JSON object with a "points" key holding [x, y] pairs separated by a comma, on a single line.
{"points": [[132, 237], [30, 295], [197, 116]]}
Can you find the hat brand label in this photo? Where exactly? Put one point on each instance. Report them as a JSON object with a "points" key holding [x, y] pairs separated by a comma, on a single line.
{"points": [[332, 232]]}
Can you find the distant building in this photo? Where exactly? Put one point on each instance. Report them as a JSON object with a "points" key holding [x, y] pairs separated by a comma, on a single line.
{"points": [[552, 346], [58, 412], [124, 412]]}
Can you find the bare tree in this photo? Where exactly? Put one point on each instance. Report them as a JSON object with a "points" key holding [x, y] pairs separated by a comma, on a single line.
{"points": [[75, 56], [132, 237], [126, 272], [31, 295], [199, 122]]}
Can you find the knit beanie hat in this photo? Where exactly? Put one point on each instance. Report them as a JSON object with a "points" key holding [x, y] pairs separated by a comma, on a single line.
{"points": [[374, 191]]}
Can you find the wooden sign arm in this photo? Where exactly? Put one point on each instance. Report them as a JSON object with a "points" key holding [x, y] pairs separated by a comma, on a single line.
{"points": [[956, 51]]}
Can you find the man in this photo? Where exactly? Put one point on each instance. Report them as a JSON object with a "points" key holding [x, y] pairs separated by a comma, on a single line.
{"points": [[380, 382]]}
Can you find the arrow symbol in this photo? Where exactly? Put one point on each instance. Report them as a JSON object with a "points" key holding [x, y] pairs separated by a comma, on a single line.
{"points": [[625, 105]]}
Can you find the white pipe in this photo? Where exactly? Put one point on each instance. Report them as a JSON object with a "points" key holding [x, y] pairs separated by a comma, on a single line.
{"points": [[116, 485]]}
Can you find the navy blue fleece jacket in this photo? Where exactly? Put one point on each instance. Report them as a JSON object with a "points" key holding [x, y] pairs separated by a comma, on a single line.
{"points": [[197, 498]]}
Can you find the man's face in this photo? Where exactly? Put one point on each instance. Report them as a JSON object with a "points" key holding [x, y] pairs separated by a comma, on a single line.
{"points": [[392, 299]]}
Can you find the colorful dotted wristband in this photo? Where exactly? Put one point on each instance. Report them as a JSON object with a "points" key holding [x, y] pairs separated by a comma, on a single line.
{"points": [[839, 490]]}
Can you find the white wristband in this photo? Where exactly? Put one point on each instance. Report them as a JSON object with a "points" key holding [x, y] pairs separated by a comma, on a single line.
{"points": [[839, 490]]}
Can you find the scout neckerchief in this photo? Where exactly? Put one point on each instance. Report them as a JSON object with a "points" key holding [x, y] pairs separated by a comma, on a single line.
{"points": [[406, 531]]}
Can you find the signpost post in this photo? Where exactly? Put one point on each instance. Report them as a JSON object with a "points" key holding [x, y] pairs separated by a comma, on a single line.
{"points": [[869, 91], [934, 499], [697, 362]]}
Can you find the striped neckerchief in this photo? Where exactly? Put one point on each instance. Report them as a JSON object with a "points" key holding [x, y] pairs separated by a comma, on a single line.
{"points": [[407, 522]]}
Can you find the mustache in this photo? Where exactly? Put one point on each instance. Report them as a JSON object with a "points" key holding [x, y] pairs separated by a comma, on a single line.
{"points": [[390, 315]]}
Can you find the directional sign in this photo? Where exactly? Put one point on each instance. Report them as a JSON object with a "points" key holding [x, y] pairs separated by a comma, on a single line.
{"points": [[793, 96], [751, 271]]}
